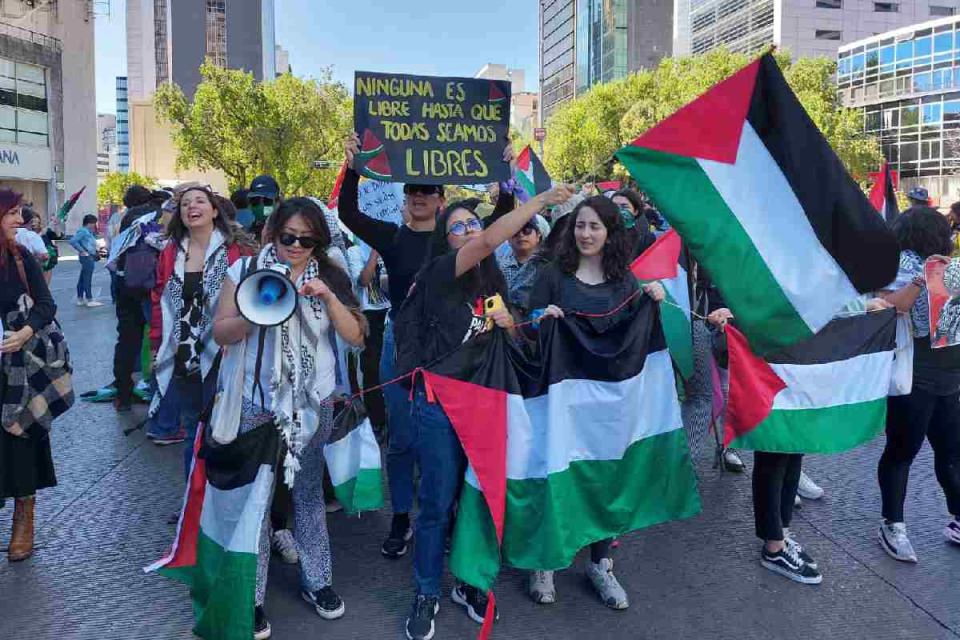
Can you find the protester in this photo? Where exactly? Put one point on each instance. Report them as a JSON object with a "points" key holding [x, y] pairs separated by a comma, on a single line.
{"points": [[639, 229], [521, 266], [263, 199], [590, 274], [29, 238], [451, 289], [48, 236], [918, 197], [26, 461], [202, 245], [298, 236], [84, 241], [403, 249], [932, 409], [953, 217]]}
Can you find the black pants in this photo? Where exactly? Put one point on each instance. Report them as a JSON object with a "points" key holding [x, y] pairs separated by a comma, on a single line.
{"points": [[775, 480], [910, 419], [130, 324], [370, 366]]}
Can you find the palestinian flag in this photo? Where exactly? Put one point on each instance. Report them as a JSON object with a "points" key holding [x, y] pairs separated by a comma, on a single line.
{"points": [[69, 204], [826, 394], [764, 204], [334, 200], [531, 176], [353, 460], [663, 261], [215, 550], [581, 445], [883, 196]]}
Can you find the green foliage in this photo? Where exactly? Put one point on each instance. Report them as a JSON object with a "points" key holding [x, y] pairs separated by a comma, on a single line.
{"points": [[586, 131], [115, 184], [245, 128]]}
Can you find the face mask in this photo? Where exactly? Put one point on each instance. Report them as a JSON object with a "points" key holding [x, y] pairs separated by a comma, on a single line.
{"points": [[628, 220], [261, 211]]}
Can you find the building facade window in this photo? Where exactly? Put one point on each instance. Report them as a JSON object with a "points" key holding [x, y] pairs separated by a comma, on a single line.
{"points": [[217, 32], [23, 104], [886, 7], [940, 12], [742, 26], [827, 34], [160, 41], [829, 4]]}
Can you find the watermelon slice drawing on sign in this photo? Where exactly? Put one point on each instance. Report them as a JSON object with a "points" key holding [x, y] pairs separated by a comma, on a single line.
{"points": [[496, 94], [379, 167], [370, 146]]}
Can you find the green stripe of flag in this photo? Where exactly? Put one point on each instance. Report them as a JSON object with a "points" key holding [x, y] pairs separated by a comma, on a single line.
{"points": [[715, 236], [363, 492]]}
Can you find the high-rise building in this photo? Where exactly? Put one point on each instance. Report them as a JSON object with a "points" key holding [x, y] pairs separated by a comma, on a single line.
{"points": [[168, 41], [524, 105], [48, 113], [801, 27], [283, 61], [907, 84], [585, 42], [123, 126], [106, 144]]}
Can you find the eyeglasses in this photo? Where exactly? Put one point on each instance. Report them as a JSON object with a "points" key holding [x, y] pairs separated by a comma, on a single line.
{"points": [[306, 242], [461, 228], [423, 189], [527, 230]]}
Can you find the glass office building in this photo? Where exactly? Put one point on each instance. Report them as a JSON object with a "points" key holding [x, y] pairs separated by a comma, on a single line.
{"points": [[907, 84]]}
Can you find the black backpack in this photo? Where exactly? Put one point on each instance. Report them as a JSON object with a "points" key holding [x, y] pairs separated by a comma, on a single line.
{"points": [[414, 330], [140, 268]]}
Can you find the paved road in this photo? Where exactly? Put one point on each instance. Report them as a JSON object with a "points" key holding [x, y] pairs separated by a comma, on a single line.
{"points": [[695, 579]]}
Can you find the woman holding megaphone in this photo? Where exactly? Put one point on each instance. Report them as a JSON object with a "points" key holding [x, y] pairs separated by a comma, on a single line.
{"points": [[288, 374]]}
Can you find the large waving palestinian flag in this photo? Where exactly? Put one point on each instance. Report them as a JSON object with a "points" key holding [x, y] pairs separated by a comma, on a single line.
{"points": [[826, 394], [765, 205], [582, 445], [215, 550]]}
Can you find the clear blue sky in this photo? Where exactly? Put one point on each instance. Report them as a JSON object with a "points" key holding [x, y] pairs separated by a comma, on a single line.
{"points": [[429, 37]]}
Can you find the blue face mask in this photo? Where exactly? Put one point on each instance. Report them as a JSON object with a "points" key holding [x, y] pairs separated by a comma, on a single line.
{"points": [[628, 220]]}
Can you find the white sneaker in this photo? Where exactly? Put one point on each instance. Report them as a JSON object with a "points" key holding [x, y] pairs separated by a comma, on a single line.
{"points": [[541, 587], [732, 461], [93, 303], [808, 488], [893, 538], [80, 302], [606, 584], [797, 503], [952, 531], [284, 545]]}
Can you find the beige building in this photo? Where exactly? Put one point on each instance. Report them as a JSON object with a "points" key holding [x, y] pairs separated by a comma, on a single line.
{"points": [[524, 105], [48, 114]]}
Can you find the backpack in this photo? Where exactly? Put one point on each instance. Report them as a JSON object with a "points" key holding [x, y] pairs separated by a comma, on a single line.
{"points": [[140, 268], [414, 329]]}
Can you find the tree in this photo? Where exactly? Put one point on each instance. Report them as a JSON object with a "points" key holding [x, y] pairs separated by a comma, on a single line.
{"points": [[114, 185], [586, 131], [245, 128]]}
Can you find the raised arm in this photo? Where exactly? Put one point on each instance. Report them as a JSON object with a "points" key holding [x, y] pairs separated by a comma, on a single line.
{"points": [[503, 229], [376, 233]]}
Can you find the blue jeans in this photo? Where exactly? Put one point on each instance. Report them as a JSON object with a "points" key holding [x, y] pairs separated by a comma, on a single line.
{"points": [[85, 281], [441, 461], [400, 452], [180, 408]]}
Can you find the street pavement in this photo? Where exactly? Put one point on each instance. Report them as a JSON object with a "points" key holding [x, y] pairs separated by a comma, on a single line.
{"points": [[694, 579]]}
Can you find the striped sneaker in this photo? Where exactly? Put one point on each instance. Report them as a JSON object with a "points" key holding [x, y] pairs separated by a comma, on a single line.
{"points": [[952, 531]]}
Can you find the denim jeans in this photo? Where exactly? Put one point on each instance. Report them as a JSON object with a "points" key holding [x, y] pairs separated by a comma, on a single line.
{"points": [[85, 282], [442, 462], [180, 408], [400, 452]]}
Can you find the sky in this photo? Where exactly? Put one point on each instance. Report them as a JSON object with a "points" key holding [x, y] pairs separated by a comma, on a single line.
{"points": [[427, 37]]}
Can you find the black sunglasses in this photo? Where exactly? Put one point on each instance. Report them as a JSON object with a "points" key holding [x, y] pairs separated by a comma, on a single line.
{"points": [[526, 230], [423, 189], [307, 242]]}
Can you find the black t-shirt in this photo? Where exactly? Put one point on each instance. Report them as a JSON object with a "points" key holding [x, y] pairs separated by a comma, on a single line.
{"points": [[566, 291], [187, 359], [455, 318], [403, 250]]}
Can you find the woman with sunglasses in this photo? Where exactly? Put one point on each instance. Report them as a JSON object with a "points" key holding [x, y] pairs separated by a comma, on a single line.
{"points": [[590, 274], [459, 275], [202, 244], [303, 409]]}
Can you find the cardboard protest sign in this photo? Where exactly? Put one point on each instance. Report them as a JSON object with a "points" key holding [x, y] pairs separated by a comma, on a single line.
{"points": [[943, 292], [381, 201], [431, 130]]}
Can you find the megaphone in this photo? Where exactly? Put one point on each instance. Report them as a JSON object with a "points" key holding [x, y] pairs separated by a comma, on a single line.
{"points": [[267, 297]]}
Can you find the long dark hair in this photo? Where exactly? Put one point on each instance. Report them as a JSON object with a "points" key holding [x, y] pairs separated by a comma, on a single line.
{"points": [[484, 279], [330, 271], [923, 230], [9, 201], [177, 231], [616, 250]]}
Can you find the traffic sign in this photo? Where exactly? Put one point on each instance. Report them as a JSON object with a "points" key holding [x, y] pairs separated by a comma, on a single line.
{"points": [[539, 134]]}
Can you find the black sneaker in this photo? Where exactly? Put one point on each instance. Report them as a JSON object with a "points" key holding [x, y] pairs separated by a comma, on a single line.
{"points": [[261, 626], [328, 604], [420, 623], [400, 533], [473, 600], [788, 564], [791, 542]]}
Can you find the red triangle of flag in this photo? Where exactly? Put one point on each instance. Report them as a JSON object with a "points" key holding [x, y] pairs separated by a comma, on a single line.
{"points": [[659, 261], [709, 127], [496, 93], [879, 191], [479, 417], [523, 160], [753, 386]]}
